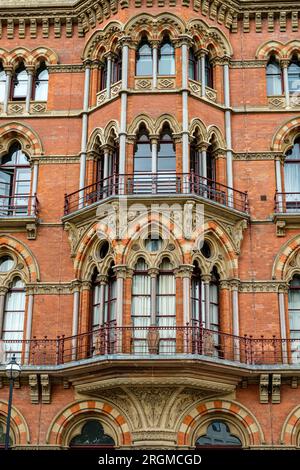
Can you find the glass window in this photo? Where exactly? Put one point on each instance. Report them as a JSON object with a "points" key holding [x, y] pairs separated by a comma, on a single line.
{"points": [[166, 58], [15, 176], [193, 65], [142, 153], [3, 435], [41, 83], [20, 82], [140, 306], [166, 307], [144, 59], [153, 244], [6, 264], [166, 155], [208, 72], [218, 434], [274, 79], [103, 76], [292, 177], [198, 297], [2, 83], [294, 308], [13, 324], [92, 434], [294, 75], [116, 73]]}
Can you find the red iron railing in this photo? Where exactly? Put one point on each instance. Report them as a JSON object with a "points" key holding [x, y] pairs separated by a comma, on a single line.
{"points": [[18, 206], [158, 184], [153, 342], [287, 202]]}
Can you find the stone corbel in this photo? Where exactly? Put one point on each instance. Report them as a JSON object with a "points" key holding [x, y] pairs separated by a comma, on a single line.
{"points": [[31, 230], [276, 382], [34, 389], [46, 389], [264, 388], [280, 228]]}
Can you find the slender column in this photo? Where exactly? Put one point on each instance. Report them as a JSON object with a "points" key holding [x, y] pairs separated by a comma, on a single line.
{"points": [[123, 119], [108, 76], [75, 322], [120, 274], [106, 170], [7, 89], [84, 132], [203, 161], [154, 63], [228, 133], [282, 316], [185, 113], [206, 280], [279, 183], [28, 325], [186, 274], [235, 319], [29, 90], [153, 273], [34, 186], [203, 81], [3, 291], [284, 65], [103, 283]]}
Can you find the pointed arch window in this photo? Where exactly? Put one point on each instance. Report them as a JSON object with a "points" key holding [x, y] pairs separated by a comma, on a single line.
{"points": [[92, 435], [218, 434], [15, 178], [166, 307], [166, 57], [294, 316], [142, 152], [116, 72], [274, 77], [193, 65], [20, 83], [2, 83], [144, 58], [103, 74], [166, 155], [197, 297], [209, 75], [141, 306], [13, 321], [41, 83], [103, 300], [292, 176], [294, 75]]}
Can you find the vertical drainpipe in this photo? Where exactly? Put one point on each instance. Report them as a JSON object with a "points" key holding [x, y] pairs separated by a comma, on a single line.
{"points": [[228, 133], [185, 119], [123, 118]]}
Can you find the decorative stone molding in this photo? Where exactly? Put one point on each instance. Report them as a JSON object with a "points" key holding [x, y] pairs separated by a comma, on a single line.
{"points": [[31, 230], [276, 382], [66, 68], [276, 102], [165, 83], [247, 64], [211, 94], [57, 159], [264, 388], [34, 388], [38, 107], [51, 288], [259, 286], [143, 84], [256, 156], [280, 228], [46, 388]]}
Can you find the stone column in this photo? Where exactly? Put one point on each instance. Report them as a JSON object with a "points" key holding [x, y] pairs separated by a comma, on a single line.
{"points": [[30, 73], [120, 271], [228, 131], [76, 303], [235, 318], [8, 72], [203, 81], [154, 144], [186, 274], [3, 292], [284, 64], [154, 45], [108, 75], [203, 165], [123, 118], [282, 292], [185, 114], [206, 278], [84, 132], [153, 273]]}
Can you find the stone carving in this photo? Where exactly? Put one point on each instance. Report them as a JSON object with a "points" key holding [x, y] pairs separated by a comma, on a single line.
{"points": [[121, 399], [280, 228], [276, 382], [46, 388], [143, 84], [166, 83], [16, 108], [255, 156], [38, 107], [264, 388], [276, 101], [115, 89], [34, 388], [101, 97], [236, 233], [153, 401], [211, 94], [31, 230]]}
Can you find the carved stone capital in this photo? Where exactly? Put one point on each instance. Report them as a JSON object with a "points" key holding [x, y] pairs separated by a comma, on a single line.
{"points": [[120, 270]]}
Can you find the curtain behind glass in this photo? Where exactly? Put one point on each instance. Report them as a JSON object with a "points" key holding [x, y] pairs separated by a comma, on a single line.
{"points": [[166, 307], [294, 317], [13, 323], [140, 306], [274, 81]]}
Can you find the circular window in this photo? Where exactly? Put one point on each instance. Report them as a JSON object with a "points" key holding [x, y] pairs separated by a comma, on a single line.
{"points": [[153, 244], [103, 250], [6, 264], [206, 250]]}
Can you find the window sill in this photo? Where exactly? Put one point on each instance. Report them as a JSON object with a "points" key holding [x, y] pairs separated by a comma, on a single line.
{"points": [[19, 107]]}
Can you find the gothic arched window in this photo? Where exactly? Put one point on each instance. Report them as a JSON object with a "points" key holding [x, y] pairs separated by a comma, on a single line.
{"points": [[144, 58], [20, 83], [294, 75], [2, 83], [92, 435], [274, 77], [218, 434], [41, 83], [292, 177], [166, 57]]}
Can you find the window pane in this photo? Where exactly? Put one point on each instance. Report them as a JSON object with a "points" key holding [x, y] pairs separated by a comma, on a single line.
{"points": [[2, 85]]}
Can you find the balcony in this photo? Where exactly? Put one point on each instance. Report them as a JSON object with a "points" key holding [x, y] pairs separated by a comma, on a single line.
{"points": [[160, 184], [21, 212], [154, 343]]}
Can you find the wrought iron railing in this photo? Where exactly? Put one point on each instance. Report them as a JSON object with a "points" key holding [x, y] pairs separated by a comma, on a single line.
{"points": [[287, 202], [158, 184], [18, 206], [153, 342]]}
